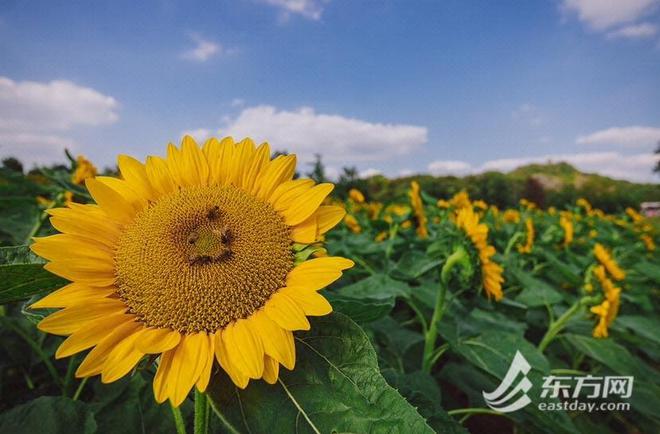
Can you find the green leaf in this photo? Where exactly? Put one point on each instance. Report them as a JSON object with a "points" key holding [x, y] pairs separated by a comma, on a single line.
{"points": [[414, 265], [22, 275], [361, 309], [643, 326], [335, 387], [492, 352], [49, 414], [649, 270], [536, 292], [378, 286]]}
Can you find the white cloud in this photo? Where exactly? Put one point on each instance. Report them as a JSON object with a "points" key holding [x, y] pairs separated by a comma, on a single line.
{"points": [[604, 14], [337, 138], [634, 31], [368, 173], [310, 9], [637, 167], [449, 167], [34, 115], [203, 49], [237, 102], [637, 136]]}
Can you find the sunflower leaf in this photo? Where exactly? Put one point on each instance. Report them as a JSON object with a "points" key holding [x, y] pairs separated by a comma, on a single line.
{"points": [[22, 275], [335, 387]]}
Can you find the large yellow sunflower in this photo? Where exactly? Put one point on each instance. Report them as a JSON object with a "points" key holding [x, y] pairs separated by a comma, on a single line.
{"points": [[190, 257]]}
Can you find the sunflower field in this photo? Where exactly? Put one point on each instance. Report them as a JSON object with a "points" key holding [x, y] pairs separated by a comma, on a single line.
{"points": [[215, 290]]}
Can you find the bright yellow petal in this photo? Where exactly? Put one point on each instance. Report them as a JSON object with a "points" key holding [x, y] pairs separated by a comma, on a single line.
{"points": [[94, 273], [70, 320], [87, 221], [155, 341], [278, 343], [224, 165], [135, 175], [93, 363], [329, 217], [244, 347], [271, 370], [195, 167], [161, 384], [242, 157], [205, 376], [286, 313], [122, 187], [90, 335], [303, 206], [159, 176], [311, 302], [110, 201], [288, 191], [122, 359], [318, 273], [70, 247], [280, 170], [72, 294], [306, 232], [187, 364], [212, 149], [240, 380], [259, 161]]}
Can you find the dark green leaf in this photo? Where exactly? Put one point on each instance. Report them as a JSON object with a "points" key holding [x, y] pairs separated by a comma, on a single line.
{"points": [[49, 415], [22, 275]]}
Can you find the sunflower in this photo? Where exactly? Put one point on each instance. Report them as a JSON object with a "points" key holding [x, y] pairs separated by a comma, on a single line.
{"points": [[491, 272], [190, 258], [84, 170], [601, 311], [605, 258], [566, 224], [356, 195], [352, 224], [418, 209], [529, 242], [648, 242]]}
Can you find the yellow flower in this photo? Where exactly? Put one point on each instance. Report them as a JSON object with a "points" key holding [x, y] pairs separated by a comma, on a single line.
{"points": [[584, 203], [527, 204], [552, 210], [406, 224], [373, 209], [382, 236], [68, 198], [190, 258], [612, 298], [84, 170], [480, 204], [634, 215], [418, 208], [356, 195], [601, 310], [460, 200], [443, 203], [352, 224], [511, 216], [529, 243], [610, 264], [44, 201], [566, 224], [648, 242], [468, 221], [593, 233]]}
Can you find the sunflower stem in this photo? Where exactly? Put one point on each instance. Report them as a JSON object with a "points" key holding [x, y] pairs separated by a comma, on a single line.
{"points": [[178, 420], [431, 335], [201, 412], [80, 388], [559, 324]]}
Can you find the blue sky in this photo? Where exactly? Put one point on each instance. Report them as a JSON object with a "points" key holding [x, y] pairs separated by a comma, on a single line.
{"points": [[395, 87]]}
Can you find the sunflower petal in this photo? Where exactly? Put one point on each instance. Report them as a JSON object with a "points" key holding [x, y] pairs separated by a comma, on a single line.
{"points": [[306, 232], [329, 217], [260, 160], [110, 201], [187, 365], [121, 360], [284, 195], [70, 320], [278, 343], [89, 336], [72, 294], [240, 380], [155, 341], [161, 384], [93, 363], [311, 302], [195, 166], [286, 313], [280, 170], [304, 205], [318, 273], [205, 376], [271, 370], [159, 176], [135, 175], [88, 221], [244, 348]]}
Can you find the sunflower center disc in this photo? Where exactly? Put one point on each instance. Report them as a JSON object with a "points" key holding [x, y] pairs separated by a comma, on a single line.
{"points": [[201, 258]]}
